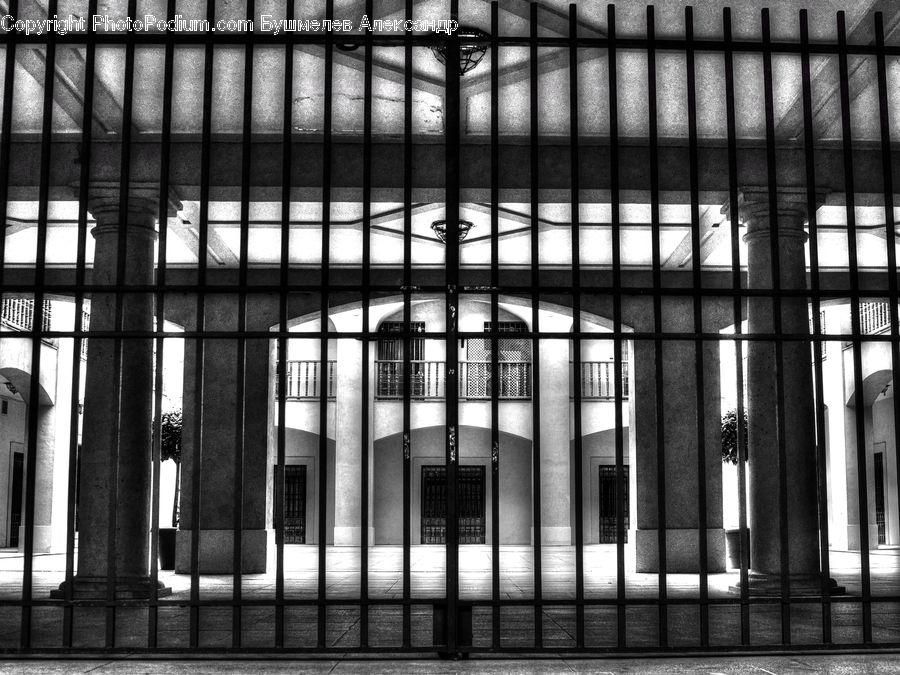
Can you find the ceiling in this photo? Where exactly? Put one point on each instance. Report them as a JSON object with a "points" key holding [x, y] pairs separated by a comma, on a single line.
{"points": [[231, 84]]}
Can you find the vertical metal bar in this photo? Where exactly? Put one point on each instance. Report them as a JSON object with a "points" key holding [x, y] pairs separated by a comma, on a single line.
{"points": [[495, 320], [121, 264], [11, 41], [699, 362], [617, 322], [777, 322], [662, 584], [407, 309], [890, 226], [535, 326], [80, 262], [9, 72], [364, 379], [36, 330], [241, 363], [734, 217], [861, 449], [200, 352], [451, 300], [574, 205], [323, 329], [809, 148], [287, 130], [156, 455]]}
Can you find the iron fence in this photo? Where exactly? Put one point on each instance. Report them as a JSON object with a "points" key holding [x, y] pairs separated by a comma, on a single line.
{"points": [[589, 173]]}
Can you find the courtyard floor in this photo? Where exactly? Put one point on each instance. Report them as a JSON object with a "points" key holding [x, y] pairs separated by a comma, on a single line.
{"points": [[640, 615]]}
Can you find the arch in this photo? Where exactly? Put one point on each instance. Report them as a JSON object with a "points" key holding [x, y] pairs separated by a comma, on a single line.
{"points": [[876, 372], [521, 307], [20, 378]]}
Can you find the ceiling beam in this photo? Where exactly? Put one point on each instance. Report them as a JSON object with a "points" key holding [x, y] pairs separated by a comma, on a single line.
{"points": [[388, 166], [549, 18], [826, 84], [187, 229], [710, 234], [391, 72], [548, 61]]}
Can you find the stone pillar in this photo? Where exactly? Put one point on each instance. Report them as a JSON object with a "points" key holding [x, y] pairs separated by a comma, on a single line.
{"points": [[556, 512], [118, 404], [680, 430], [221, 438], [794, 371], [49, 535], [348, 444]]}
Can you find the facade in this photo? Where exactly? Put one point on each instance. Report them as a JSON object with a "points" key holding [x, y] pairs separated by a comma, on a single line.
{"points": [[429, 297]]}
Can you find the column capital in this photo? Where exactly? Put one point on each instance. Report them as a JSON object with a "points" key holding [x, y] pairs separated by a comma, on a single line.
{"points": [[791, 208], [104, 204]]}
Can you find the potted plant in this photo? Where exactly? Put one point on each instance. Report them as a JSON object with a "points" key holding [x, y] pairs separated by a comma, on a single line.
{"points": [[170, 448], [731, 454]]}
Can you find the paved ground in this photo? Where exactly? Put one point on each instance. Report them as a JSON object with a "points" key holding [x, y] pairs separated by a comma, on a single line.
{"points": [[641, 625], [881, 664]]}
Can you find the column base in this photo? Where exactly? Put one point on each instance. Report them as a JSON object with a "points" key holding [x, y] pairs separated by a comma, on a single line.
{"points": [[351, 536], [97, 588], [682, 546], [217, 551], [805, 585]]}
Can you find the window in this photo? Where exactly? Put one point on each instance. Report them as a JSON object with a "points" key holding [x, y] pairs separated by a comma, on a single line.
{"points": [[514, 363], [389, 382]]}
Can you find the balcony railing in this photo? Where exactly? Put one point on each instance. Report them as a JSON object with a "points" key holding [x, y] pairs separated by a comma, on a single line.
{"points": [[874, 317], [18, 313], [598, 380], [428, 380], [304, 380]]}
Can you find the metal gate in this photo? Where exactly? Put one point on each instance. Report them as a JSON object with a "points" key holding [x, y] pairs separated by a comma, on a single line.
{"points": [[670, 204]]}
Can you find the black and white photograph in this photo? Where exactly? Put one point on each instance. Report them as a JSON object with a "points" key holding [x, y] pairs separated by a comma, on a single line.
{"points": [[449, 336]]}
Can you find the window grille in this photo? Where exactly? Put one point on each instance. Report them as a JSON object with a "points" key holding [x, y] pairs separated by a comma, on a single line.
{"points": [[425, 377]]}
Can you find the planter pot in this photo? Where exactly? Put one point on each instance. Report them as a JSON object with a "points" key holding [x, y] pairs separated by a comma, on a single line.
{"points": [[733, 548], [167, 548]]}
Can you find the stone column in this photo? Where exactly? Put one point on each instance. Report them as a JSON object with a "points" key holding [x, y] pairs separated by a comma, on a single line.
{"points": [[680, 430], [794, 371], [556, 513], [221, 439], [348, 443], [49, 491], [118, 404]]}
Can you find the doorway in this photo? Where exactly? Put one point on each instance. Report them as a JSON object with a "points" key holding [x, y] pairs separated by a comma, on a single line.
{"points": [[608, 500], [470, 500], [15, 518], [295, 504]]}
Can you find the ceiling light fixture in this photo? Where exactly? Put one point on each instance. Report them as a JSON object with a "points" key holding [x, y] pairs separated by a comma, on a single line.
{"points": [[440, 229], [472, 47]]}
